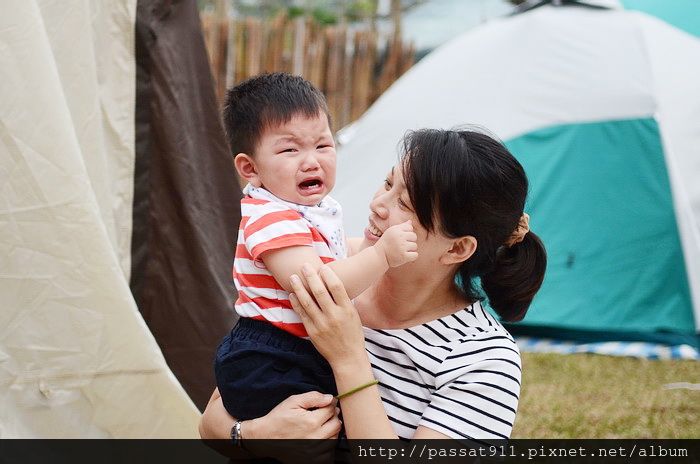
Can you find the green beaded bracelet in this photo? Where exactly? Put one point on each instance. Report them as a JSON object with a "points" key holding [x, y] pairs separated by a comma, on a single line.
{"points": [[357, 389]]}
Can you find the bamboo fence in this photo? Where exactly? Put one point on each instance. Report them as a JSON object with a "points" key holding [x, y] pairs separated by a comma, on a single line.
{"points": [[352, 66]]}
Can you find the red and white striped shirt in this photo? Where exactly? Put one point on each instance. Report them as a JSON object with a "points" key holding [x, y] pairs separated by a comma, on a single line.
{"points": [[269, 225]]}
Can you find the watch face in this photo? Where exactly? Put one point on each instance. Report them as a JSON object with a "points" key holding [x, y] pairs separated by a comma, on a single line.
{"points": [[236, 433]]}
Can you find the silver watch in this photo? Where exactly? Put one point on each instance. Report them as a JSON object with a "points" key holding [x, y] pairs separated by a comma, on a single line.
{"points": [[236, 435]]}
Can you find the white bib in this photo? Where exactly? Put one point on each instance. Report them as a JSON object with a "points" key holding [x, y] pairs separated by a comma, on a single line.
{"points": [[325, 216]]}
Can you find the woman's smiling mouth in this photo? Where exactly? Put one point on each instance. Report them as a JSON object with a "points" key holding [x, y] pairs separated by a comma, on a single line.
{"points": [[374, 231]]}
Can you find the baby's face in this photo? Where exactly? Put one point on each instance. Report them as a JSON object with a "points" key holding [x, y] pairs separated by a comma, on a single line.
{"points": [[296, 161]]}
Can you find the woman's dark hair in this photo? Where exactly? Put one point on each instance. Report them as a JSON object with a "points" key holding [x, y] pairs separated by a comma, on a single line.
{"points": [[264, 101], [464, 182]]}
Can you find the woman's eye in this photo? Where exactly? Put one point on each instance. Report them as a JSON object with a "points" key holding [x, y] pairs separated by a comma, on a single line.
{"points": [[387, 184], [405, 204]]}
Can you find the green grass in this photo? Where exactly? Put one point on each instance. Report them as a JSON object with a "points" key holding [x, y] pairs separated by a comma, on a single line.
{"points": [[596, 396]]}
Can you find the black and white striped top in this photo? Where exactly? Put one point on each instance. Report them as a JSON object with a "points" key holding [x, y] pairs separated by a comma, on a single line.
{"points": [[458, 375]]}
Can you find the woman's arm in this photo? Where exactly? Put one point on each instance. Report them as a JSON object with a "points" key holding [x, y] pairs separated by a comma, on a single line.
{"points": [[335, 329], [308, 416]]}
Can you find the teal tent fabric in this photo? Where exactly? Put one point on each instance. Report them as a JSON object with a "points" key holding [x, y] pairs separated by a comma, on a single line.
{"points": [[684, 14], [601, 201]]}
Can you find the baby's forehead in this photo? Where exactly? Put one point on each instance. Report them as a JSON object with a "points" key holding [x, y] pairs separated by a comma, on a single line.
{"points": [[271, 120], [299, 125]]}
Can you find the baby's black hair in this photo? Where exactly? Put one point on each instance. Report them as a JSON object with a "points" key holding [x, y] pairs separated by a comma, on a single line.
{"points": [[264, 101]]}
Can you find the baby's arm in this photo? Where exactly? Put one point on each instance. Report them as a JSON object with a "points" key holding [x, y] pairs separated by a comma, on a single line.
{"points": [[397, 246], [354, 245]]}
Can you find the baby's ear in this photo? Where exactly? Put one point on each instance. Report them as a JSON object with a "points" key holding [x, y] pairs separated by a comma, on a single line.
{"points": [[245, 165]]}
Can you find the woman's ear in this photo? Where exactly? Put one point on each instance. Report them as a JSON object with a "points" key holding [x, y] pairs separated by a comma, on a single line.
{"points": [[245, 165], [461, 250]]}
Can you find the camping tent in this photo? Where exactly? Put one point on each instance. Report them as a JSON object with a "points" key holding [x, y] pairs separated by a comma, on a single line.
{"points": [[684, 14], [117, 207], [602, 108]]}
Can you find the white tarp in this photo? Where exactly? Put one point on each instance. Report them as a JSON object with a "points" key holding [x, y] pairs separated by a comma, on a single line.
{"points": [[76, 358]]}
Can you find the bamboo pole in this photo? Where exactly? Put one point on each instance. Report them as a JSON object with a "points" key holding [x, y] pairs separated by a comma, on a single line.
{"points": [[253, 46], [240, 51], [364, 59], [316, 60], [275, 43], [299, 45], [231, 51]]}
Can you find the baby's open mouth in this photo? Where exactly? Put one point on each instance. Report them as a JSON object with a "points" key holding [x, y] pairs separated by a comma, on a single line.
{"points": [[310, 184]]}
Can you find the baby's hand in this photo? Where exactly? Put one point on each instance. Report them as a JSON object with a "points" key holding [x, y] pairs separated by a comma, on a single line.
{"points": [[399, 244]]}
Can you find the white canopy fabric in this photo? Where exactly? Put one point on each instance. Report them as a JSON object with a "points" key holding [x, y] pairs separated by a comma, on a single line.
{"points": [[547, 67], [76, 358]]}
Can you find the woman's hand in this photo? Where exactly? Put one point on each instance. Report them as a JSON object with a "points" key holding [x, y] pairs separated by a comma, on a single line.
{"points": [[334, 327], [308, 416], [329, 316], [312, 415]]}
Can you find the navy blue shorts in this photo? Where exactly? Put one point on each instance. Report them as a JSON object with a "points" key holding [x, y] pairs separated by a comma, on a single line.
{"points": [[258, 365]]}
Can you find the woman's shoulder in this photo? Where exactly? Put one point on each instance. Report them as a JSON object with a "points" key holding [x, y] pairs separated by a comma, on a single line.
{"points": [[481, 335], [470, 329], [477, 385], [473, 322]]}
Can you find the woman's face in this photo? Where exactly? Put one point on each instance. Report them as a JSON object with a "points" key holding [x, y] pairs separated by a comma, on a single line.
{"points": [[391, 205]]}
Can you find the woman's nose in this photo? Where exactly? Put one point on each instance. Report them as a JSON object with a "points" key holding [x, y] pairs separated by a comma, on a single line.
{"points": [[378, 203]]}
